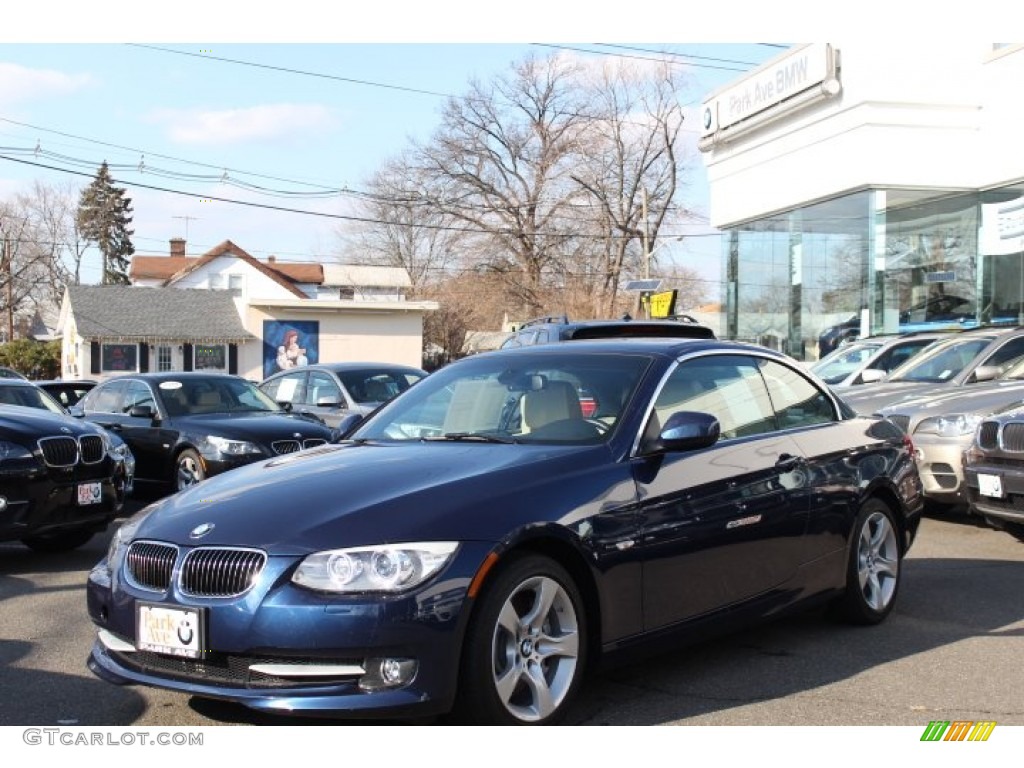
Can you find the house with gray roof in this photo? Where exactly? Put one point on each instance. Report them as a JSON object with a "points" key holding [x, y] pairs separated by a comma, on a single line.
{"points": [[110, 329]]}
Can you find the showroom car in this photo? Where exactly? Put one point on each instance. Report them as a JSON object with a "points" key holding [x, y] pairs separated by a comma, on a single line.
{"points": [[60, 482], [994, 467], [962, 361], [477, 543], [330, 391], [869, 360], [185, 427], [943, 425]]}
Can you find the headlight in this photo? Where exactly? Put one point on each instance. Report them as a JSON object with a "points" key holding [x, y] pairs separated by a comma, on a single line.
{"points": [[384, 568], [231, 447], [953, 425], [9, 450]]}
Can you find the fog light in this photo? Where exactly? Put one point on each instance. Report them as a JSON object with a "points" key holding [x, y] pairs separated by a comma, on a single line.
{"points": [[388, 673], [3, 503]]}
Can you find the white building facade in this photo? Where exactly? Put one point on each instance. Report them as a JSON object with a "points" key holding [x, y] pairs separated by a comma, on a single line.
{"points": [[868, 185]]}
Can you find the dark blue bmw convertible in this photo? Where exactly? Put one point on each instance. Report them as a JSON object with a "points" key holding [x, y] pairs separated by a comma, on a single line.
{"points": [[478, 543]]}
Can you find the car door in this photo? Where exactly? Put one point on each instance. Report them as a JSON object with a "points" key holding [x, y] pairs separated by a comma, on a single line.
{"points": [[323, 399], [151, 438], [723, 524]]}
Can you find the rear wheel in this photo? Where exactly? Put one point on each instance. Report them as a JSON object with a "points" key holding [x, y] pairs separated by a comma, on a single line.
{"points": [[188, 470], [874, 567], [58, 542], [526, 646]]}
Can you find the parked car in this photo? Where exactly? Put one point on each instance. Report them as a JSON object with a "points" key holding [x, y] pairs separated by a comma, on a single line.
{"points": [[832, 337], [478, 543], [870, 359], [942, 427], [10, 373], [330, 391], [27, 394], [185, 427], [67, 391], [994, 466], [60, 482], [545, 330], [964, 360]]}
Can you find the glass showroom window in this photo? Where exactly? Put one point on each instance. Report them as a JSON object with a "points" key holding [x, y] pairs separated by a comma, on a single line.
{"points": [[117, 358], [209, 357]]}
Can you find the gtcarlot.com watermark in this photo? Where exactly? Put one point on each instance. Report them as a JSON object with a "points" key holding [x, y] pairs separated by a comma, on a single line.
{"points": [[65, 737]]}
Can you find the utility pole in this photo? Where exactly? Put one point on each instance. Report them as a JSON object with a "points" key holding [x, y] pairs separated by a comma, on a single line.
{"points": [[8, 272]]}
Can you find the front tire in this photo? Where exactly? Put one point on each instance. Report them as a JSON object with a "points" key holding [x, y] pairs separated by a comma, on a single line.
{"points": [[188, 470], [874, 567], [525, 647]]}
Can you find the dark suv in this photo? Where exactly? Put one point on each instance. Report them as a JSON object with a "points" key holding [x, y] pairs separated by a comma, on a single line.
{"points": [[59, 481], [544, 330]]}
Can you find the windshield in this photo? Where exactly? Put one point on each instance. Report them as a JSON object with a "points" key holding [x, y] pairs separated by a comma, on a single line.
{"points": [[370, 386], [839, 364], [514, 398], [192, 396], [942, 362], [29, 397]]}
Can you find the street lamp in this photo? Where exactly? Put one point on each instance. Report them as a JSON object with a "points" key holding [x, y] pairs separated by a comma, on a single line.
{"points": [[654, 250]]}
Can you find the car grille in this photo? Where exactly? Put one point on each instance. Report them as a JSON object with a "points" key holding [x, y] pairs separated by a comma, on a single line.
{"points": [[291, 446], [150, 564], [225, 669], [220, 572], [988, 435], [1013, 436], [92, 450]]}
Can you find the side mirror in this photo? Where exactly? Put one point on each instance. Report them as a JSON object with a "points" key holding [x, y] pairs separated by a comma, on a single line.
{"points": [[986, 373], [871, 375], [328, 402], [688, 431], [142, 412], [286, 405], [348, 423], [77, 411]]}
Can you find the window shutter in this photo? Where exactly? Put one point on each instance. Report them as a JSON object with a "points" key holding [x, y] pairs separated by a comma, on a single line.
{"points": [[187, 352], [232, 358], [143, 358], [94, 357]]}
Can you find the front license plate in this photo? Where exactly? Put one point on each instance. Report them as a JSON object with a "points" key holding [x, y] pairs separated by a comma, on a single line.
{"points": [[174, 631], [990, 485], [89, 493]]}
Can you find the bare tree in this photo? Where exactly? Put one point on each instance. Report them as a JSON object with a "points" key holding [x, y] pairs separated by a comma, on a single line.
{"points": [[502, 161]]}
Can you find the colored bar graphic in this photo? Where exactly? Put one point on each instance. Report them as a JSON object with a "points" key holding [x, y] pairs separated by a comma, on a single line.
{"points": [[935, 730]]}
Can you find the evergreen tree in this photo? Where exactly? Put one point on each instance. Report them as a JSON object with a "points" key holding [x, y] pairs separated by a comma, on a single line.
{"points": [[104, 214]]}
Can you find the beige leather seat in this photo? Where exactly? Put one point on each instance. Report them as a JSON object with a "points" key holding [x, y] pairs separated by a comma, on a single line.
{"points": [[557, 401]]}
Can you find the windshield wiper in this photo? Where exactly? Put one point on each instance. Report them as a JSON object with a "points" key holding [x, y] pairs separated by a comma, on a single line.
{"points": [[472, 437]]}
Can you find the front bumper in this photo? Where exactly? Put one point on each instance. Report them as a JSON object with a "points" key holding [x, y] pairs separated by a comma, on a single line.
{"points": [[284, 649], [34, 505], [1010, 506], [940, 463]]}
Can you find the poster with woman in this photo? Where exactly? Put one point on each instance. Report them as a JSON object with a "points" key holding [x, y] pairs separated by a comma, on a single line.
{"points": [[289, 344]]}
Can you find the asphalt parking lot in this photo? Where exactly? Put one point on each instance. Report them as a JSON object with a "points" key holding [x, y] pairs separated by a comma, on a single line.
{"points": [[950, 650]]}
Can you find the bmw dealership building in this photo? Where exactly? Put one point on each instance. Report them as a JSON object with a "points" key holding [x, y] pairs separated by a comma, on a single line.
{"points": [[874, 187]]}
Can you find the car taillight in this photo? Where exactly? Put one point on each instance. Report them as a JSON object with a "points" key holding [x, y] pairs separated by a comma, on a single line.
{"points": [[908, 443]]}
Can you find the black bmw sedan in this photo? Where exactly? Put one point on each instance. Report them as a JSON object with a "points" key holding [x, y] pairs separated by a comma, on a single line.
{"points": [[478, 542], [60, 481], [185, 427]]}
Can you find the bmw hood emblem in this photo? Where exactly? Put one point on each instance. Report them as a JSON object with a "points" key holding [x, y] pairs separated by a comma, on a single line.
{"points": [[65, 430], [201, 530]]}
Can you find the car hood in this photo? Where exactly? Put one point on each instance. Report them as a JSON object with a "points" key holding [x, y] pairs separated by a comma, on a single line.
{"points": [[352, 495], [980, 399], [869, 399], [257, 427], [35, 422]]}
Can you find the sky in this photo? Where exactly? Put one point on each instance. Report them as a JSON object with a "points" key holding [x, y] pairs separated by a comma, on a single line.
{"points": [[302, 120], [199, 103]]}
